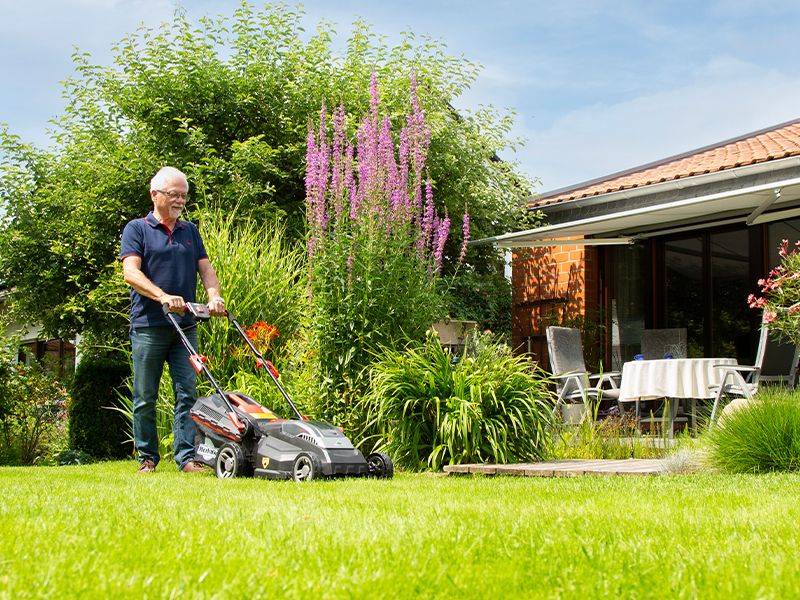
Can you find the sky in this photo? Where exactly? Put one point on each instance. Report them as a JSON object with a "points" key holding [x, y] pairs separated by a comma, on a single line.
{"points": [[596, 86]]}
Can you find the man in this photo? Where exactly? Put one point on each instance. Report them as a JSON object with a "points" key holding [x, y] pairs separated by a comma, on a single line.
{"points": [[161, 257]]}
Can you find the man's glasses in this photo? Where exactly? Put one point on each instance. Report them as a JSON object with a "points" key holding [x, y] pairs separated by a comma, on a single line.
{"points": [[174, 195]]}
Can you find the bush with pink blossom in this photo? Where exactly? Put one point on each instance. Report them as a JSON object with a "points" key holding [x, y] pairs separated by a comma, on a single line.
{"points": [[780, 299]]}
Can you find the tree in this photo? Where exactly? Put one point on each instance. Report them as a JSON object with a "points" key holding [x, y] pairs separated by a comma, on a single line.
{"points": [[228, 100]]}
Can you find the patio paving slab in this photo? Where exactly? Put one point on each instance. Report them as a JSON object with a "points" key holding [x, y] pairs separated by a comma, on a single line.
{"points": [[566, 468]]}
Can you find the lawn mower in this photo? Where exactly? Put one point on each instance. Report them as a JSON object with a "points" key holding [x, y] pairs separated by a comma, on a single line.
{"points": [[237, 436]]}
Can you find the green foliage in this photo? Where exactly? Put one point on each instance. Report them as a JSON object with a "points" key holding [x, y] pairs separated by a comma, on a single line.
{"points": [[33, 411], [481, 297], [73, 457], [96, 426], [427, 407], [760, 436], [390, 300], [228, 101]]}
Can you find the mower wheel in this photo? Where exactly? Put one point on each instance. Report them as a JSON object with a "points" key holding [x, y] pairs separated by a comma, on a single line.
{"points": [[306, 467], [230, 461], [380, 465]]}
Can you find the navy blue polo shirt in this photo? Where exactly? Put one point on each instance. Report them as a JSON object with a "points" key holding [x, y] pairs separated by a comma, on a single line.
{"points": [[169, 260]]}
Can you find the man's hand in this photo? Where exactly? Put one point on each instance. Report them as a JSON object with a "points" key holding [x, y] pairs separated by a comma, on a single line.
{"points": [[175, 304], [216, 306]]}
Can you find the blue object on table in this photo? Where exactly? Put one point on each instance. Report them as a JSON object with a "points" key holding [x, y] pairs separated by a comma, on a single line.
{"points": [[668, 356], [638, 357]]}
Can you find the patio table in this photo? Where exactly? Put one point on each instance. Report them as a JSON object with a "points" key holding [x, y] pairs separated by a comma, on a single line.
{"points": [[673, 378]]}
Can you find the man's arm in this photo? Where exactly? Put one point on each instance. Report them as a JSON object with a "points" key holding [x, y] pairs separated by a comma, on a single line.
{"points": [[132, 271], [216, 305]]}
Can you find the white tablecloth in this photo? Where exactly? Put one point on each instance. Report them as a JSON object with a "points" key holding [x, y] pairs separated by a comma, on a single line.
{"points": [[671, 378]]}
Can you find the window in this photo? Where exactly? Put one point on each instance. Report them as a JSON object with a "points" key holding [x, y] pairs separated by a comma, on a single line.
{"points": [[57, 356]]}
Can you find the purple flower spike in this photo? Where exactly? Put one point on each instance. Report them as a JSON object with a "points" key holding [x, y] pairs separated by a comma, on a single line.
{"points": [[368, 193]]}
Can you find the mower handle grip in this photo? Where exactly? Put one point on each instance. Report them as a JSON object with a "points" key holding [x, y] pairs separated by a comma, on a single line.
{"points": [[199, 311]]}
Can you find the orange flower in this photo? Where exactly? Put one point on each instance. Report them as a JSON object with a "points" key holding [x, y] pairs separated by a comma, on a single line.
{"points": [[261, 334]]}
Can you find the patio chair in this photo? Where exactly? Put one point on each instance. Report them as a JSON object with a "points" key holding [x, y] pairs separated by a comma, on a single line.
{"points": [[573, 381], [658, 343], [776, 362]]}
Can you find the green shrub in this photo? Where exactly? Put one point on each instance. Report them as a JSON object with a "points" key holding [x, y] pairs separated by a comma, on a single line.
{"points": [[72, 457], [427, 407], [95, 424], [762, 435], [33, 406]]}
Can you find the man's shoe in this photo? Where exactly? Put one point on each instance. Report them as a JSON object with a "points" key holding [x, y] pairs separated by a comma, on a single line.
{"points": [[194, 467], [147, 466]]}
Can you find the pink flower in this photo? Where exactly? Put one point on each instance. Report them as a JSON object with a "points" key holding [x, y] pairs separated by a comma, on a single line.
{"points": [[465, 233], [770, 316]]}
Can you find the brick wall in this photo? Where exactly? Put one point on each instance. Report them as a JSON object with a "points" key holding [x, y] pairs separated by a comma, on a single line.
{"points": [[551, 285]]}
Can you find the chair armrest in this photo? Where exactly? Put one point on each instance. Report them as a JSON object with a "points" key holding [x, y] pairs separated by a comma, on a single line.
{"points": [[612, 377], [605, 375], [738, 368], [578, 374]]}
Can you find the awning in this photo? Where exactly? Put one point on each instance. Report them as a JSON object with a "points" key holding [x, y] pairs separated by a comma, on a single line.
{"points": [[752, 205]]}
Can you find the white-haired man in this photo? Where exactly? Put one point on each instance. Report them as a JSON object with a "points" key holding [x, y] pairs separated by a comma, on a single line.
{"points": [[161, 258]]}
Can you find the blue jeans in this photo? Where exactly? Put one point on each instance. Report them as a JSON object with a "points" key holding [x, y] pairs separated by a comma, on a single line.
{"points": [[151, 347]]}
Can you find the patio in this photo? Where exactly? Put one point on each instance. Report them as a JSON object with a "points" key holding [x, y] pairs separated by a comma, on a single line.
{"points": [[567, 468]]}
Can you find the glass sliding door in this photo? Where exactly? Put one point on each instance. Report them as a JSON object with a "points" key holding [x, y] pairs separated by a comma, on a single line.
{"points": [[706, 279], [782, 230], [628, 268], [685, 295], [730, 283]]}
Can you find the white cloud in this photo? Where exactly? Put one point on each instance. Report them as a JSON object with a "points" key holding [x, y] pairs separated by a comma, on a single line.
{"points": [[727, 99]]}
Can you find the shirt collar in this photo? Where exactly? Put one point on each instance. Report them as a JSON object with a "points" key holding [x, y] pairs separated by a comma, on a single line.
{"points": [[151, 220]]}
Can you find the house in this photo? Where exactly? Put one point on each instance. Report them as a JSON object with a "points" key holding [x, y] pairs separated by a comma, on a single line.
{"points": [[679, 242], [57, 355]]}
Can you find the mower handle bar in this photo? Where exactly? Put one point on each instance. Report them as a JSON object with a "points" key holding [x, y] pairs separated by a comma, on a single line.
{"points": [[200, 312], [262, 362], [195, 358]]}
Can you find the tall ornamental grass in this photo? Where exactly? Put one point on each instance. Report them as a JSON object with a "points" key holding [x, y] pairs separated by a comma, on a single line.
{"points": [[263, 280], [375, 244], [262, 276], [761, 435], [615, 437], [428, 407]]}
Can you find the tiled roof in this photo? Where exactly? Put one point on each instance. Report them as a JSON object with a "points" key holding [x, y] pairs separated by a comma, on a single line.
{"points": [[780, 141]]}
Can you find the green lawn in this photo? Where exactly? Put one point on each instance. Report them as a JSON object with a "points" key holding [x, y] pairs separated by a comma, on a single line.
{"points": [[102, 531]]}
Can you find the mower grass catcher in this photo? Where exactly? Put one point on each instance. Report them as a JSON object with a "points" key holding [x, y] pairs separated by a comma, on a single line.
{"points": [[239, 437]]}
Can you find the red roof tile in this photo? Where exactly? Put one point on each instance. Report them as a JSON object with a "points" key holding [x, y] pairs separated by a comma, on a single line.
{"points": [[780, 141]]}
